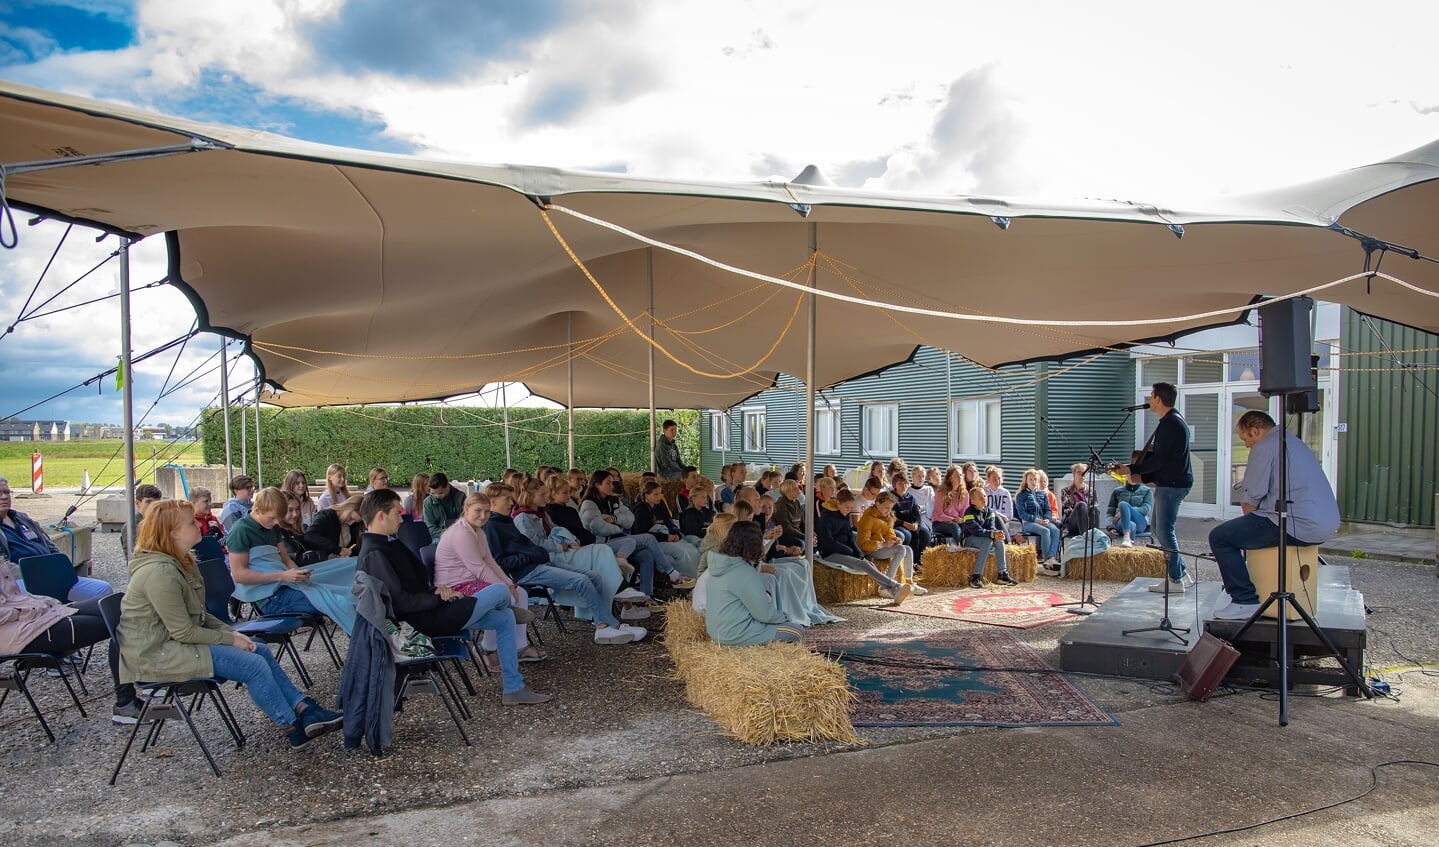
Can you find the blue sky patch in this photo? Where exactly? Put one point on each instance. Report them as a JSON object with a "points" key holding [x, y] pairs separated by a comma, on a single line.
{"points": [[30, 31]]}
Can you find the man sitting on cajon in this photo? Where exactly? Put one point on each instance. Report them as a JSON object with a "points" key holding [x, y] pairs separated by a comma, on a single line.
{"points": [[1313, 514]]}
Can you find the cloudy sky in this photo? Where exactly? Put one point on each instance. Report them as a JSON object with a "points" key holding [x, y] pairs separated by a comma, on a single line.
{"points": [[1138, 101]]}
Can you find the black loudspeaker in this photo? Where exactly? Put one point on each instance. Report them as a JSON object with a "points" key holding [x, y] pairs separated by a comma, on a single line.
{"points": [[1285, 346]]}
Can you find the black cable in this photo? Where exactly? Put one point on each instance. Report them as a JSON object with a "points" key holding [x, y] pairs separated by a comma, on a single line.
{"points": [[1373, 784], [92, 301], [51, 299], [133, 359], [20, 315], [1393, 357]]}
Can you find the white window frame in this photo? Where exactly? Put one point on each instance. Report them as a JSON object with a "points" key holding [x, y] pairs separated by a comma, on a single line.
{"points": [[719, 431], [869, 445], [832, 428], [753, 413], [981, 408]]}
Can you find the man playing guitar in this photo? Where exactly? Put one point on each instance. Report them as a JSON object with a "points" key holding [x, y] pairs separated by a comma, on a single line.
{"points": [[1164, 463]]}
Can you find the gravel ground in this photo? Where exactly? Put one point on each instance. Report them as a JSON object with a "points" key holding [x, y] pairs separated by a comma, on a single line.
{"points": [[617, 717]]}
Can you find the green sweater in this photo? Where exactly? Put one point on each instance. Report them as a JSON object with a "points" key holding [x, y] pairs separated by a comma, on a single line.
{"points": [[165, 632], [439, 514]]}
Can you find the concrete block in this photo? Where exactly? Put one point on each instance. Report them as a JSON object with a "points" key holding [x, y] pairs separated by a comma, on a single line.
{"points": [[110, 512], [176, 482]]}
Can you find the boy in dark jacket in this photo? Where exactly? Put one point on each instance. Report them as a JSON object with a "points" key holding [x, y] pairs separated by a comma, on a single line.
{"points": [[982, 529], [836, 545], [437, 611]]}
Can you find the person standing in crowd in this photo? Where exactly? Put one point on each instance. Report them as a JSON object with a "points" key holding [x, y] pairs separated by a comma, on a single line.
{"points": [[667, 452], [1164, 461]]}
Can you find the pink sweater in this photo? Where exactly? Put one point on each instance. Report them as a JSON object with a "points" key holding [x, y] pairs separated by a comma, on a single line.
{"points": [[953, 511], [464, 555], [25, 617]]}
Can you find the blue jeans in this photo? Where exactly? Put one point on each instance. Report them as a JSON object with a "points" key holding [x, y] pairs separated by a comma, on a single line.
{"points": [[1129, 519], [587, 585], [1229, 540], [492, 611], [267, 683], [983, 547], [1166, 515], [1048, 536], [288, 600], [945, 529]]}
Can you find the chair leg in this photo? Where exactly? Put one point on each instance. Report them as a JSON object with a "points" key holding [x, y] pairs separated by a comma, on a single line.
{"points": [[329, 642], [454, 716], [195, 731], [65, 678], [287, 648], [227, 717], [134, 731], [19, 681], [454, 691]]}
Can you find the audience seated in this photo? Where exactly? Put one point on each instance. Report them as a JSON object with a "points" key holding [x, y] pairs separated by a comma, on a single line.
{"points": [[738, 611], [242, 492], [608, 519], [653, 514], [996, 496], [210, 526], [836, 545], [22, 536], [1129, 508], [379, 478], [274, 592], [985, 530], [950, 501], [907, 516], [336, 531], [1075, 500], [879, 542], [443, 505], [1036, 518], [336, 489], [695, 521], [297, 484]]}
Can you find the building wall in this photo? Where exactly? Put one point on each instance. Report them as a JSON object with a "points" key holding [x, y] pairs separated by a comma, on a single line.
{"points": [[1389, 403]]}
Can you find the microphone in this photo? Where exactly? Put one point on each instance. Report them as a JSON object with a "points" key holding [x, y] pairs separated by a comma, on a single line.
{"points": [[1136, 407]]}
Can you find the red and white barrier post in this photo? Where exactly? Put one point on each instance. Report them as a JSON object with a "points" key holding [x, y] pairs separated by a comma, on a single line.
{"points": [[37, 472]]}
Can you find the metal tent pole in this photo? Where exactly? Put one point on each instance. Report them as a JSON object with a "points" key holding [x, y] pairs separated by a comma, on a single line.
{"points": [[505, 406], [127, 391], [809, 511], [650, 283], [570, 384], [244, 436], [225, 403], [259, 468]]}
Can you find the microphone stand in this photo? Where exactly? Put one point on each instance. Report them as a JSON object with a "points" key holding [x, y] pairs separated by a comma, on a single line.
{"points": [[1165, 626], [1086, 581]]}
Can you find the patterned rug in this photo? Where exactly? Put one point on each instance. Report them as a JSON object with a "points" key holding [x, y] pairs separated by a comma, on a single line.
{"points": [[923, 679], [1014, 609]]}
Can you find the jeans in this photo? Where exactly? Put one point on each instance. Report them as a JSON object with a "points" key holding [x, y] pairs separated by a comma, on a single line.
{"points": [[597, 560], [946, 529], [861, 565], [918, 542], [288, 600], [85, 588], [1229, 540], [1048, 537], [901, 561], [1130, 520], [522, 634], [983, 547], [492, 611], [587, 585], [264, 679], [1166, 514]]}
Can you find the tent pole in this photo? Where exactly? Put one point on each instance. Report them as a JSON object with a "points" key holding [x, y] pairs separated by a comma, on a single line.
{"points": [[948, 408], [244, 435], [650, 282], [259, 468], [127, 391], [807, 482], [570, 384], [225, 403], [505, 405]]}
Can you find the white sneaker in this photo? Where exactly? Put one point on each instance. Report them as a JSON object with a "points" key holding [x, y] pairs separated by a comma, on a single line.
{"points": [[918, 590], [631, 595], [638, 633], [1126, 541], [634, 613], [613, 635], [901, 593], [1176, 586], [1236, 611]]}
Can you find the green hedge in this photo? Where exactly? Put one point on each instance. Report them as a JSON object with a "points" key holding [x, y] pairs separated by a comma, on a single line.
{"points": [[465, 443]]}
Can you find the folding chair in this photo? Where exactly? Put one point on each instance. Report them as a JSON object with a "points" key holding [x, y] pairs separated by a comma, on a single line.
{"points": [[415, 536], [540, 596], [52, 575], [208, 548], [21, 664], [428, 676], [165, 700], [279, 631]]}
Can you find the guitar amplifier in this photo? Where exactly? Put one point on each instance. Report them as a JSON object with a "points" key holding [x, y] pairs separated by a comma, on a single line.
{"points": [[1206, 665]]}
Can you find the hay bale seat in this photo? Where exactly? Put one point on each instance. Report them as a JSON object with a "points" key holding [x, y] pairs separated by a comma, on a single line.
{"points": [[763, 694], [1120, 564], [832, 585], [951, 569]]}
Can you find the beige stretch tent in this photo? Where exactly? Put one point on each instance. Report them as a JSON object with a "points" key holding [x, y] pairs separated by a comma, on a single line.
{"points": [[363, 277]]}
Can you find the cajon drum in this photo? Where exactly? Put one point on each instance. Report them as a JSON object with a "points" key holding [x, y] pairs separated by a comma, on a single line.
{"points": [[1302, 578]]}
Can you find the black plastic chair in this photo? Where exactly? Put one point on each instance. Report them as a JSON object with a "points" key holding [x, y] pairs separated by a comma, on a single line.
{"points": [[21, 664], [52, 575], [208, 548], [165, 700], [428, 675], [415, 536], [278, 631]]}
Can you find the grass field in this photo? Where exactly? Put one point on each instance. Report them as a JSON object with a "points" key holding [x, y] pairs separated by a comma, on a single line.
{"points": [[67, 461]]}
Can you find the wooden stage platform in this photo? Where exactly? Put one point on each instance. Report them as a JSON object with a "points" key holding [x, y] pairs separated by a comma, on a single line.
{"points": [[1097, 646]]}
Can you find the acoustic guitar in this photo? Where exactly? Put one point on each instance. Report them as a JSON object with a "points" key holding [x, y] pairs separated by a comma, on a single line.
{"points": [[1134, 458]]}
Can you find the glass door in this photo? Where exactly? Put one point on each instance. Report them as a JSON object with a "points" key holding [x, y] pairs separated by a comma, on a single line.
{"points": [[1207, 451], [1240, 400]]}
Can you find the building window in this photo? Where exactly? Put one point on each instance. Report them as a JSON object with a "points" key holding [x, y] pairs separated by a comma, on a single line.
{"points": [[719, 431], [881, 430], [826, 429], [754, 430], [976, 429]]}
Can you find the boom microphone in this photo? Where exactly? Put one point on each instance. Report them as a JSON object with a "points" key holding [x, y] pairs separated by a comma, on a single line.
{"points": [[1136, 407]]}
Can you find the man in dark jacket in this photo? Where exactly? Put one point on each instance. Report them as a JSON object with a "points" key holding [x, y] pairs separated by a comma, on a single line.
{"points": [[1166, 466], [437, 611], [667, 452]]}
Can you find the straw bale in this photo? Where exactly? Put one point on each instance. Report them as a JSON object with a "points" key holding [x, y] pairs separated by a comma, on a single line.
{"points": [[683, 626], [670, 487], [836, 586], [944, 568], [1121, 564], [768, 693]]}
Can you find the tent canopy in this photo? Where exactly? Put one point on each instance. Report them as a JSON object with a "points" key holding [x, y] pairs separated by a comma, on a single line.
{"points": [[361, 277]]}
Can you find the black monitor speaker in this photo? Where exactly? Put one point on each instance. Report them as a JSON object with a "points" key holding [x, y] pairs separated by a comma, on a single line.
{"points": [[1285, 346]]}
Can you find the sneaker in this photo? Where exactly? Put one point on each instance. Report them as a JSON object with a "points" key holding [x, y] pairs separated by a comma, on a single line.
{"points": [[316, 720], [638, 632], [613, 635], [918, 590], [297, 737], [1049, 571], [128, 713], [1006, 579], [1126, 541], [1236, 612], [631, 595], [524, 697], [634, 613], [680, 582], [976, 582], [901, 593], [1176, 586]]}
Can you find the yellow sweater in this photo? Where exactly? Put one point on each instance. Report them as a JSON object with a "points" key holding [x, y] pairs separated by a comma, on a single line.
{"points": [[874, 530]]}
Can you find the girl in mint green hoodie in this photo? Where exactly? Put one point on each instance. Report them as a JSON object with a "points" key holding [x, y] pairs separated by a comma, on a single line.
{"points": [[738, 611]]}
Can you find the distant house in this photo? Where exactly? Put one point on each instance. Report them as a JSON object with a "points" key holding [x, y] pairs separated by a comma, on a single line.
{"points": [[17, 430], [1374, 431]]}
